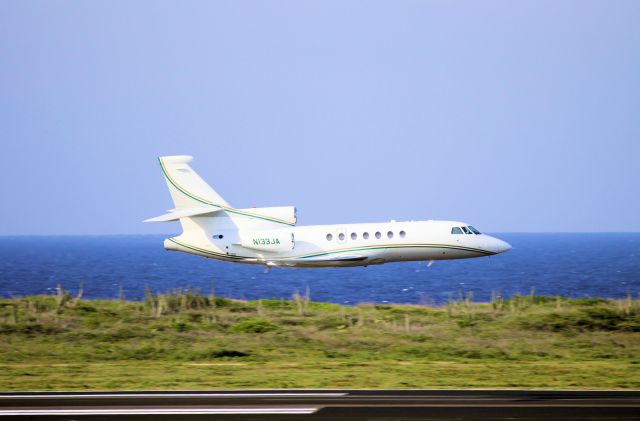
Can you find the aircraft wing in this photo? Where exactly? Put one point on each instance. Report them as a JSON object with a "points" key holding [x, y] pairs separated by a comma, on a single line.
{"points": [[343, 258], [334, 258], [315, 260]]}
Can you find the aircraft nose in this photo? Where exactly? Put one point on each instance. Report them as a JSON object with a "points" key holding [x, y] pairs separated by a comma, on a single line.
{"points": [[496, 245]]}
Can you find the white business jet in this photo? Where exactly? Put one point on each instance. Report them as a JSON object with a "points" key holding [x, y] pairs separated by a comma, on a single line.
{"points": [[269, 236]]}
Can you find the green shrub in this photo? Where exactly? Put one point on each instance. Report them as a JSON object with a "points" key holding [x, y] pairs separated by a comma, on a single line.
{"points": [[179, 326], [585, 319], [195, 317], [119, 333], [84, 309], [221, 302], [466, 322], [145, 353], [277, 304], [31, 328], [229, 353], [335, 354], [253, 326], [415, 351], [544, 299], [588, 301], [330, 323], [632, 325]]}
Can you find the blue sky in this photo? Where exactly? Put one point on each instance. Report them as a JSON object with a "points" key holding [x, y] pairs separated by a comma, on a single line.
{"points": [[512, 116]]}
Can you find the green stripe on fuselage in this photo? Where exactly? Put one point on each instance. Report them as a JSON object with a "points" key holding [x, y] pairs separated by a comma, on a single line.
{"points": [[432, 246], [303, 257]]}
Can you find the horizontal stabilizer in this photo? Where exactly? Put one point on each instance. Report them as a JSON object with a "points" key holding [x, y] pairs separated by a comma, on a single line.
{"points": [[176, 214]]}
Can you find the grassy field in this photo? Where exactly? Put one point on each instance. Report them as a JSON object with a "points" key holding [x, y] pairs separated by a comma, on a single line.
{"points": [[185, 340]]}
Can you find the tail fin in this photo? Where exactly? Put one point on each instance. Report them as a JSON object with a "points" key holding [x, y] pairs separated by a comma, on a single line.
{"points": [[188, 190], [198, 207]]}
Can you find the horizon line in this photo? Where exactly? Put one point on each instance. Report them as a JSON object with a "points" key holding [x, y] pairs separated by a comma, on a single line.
{"points": [[174, 234]]}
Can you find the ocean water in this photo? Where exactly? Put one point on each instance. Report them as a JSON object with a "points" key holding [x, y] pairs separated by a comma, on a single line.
{"points": [[572, 265]]}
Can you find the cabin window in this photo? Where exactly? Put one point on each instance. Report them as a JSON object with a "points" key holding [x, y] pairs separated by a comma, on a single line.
{"points": [[466, 230], [378, 235], [365, 235], [473, 230], [341, 236], [329, 237], [456, 230], [402, 234], [390, 234], [354, 236]]}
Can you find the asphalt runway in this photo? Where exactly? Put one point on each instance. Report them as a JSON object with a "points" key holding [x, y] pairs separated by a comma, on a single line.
{"points": [[335, 405]]}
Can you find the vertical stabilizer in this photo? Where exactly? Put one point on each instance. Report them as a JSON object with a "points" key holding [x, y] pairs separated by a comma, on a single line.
{"points": [[187, 188], [202, 212]]}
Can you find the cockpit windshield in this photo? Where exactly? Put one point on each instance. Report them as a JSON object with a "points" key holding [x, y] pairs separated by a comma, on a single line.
{"points": [[466, 230]]}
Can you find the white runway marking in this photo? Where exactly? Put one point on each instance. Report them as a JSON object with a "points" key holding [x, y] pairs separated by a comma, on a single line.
{"points": [[155, 411], [176, 395]]}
